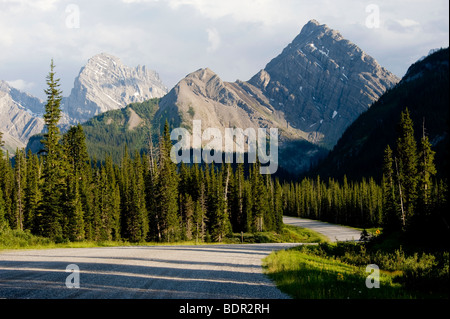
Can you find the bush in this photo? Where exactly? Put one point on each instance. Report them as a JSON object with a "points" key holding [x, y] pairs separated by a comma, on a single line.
{"points": [[424, 272], [11, 239]]}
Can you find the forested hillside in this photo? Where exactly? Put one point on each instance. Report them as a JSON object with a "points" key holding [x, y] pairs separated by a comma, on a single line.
{"points": [[136, 193], [109, 132], [424, 90]]}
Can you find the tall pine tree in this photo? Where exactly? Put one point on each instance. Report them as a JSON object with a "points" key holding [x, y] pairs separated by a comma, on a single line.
{"points": [[167, 191], [407, 165], [54, 164]]}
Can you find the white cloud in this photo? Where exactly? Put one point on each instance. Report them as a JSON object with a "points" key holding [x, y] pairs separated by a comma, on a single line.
{"points": [[261, 11], [21, 85], [402, 25], [21, 5], [175, 37], [213, 39]]}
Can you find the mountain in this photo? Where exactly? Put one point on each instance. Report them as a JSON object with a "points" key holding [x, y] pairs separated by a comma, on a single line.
{"points": [[20, 116], [424, 90], [105, 83], [311, 92], [322, 82], [109, 132]]}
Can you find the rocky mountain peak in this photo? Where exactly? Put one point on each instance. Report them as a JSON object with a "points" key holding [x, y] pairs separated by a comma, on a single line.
{"points": [[105, 83], [18, 120], [322, 82]]}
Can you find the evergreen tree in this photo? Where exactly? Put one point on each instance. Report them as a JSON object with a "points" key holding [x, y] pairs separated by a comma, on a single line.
{"points": [[138, 223], [426, 170], [199, 216], [54, 168], [33, 194], [260, 201], [278, 207], [7, 185], [391, 219], [3, 222], [167, 191], [74, 146], [112, 200], [407, 165], [20, 173], [73, 216], [151, 180], [236, 201], [187, 208]]}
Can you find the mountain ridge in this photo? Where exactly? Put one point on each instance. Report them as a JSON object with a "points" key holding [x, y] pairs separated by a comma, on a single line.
{"points": [[291, 93], [355, 78], [22, 113], [424, 91], [105, 83]]}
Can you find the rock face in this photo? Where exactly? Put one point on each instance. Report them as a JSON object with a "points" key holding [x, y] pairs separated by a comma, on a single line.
{"points": [[202, 95], [18, 120], [105, 83], [424, 90], [322, 83], [312, 91]]}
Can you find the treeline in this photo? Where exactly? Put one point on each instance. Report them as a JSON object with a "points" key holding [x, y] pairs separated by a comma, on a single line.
{"points": [[410, 198], [358, 204], [63, 194], [144, 198], [413, 200]]}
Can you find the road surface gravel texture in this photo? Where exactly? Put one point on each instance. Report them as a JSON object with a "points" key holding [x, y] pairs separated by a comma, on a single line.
{"points": [[169, 272], [332, 231]]}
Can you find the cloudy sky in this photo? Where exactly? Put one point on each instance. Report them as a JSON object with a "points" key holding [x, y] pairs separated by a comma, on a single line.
{"points": [[234, 38]]}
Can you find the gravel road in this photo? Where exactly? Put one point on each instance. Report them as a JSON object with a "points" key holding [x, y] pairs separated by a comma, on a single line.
{"points": [[200, 271], [332, 231], [169, 272]]}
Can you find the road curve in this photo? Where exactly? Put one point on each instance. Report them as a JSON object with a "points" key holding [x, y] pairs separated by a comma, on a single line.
{"points": [[332, 231], [169, 272]]}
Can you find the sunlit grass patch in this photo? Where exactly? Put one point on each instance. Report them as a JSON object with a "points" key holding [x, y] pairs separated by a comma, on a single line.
{"points": [[307, 276]]}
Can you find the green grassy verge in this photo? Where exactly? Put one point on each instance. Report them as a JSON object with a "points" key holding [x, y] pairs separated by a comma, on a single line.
{"points": [[338, 271], [17, 239], [289, 234]]}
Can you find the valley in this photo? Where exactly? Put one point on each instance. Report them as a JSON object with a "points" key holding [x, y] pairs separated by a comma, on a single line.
{"points": [[356, 146]]}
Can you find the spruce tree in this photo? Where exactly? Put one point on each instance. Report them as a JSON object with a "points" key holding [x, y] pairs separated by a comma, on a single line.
{"points": [[151, 179], [260, 201], [54, 168], [390, 219], [407, 165], [199, 217], [33, 194], [20, 173], [7, 185], [138, 223], [236, 201], [112, 198], [74, 146], [278, 207], [426, 170], [3, 222], [167, 191]]}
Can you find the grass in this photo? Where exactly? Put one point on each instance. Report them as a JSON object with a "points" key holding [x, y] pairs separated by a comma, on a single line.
{"points": [[17, 239], [338, 271], [289, 234]]}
